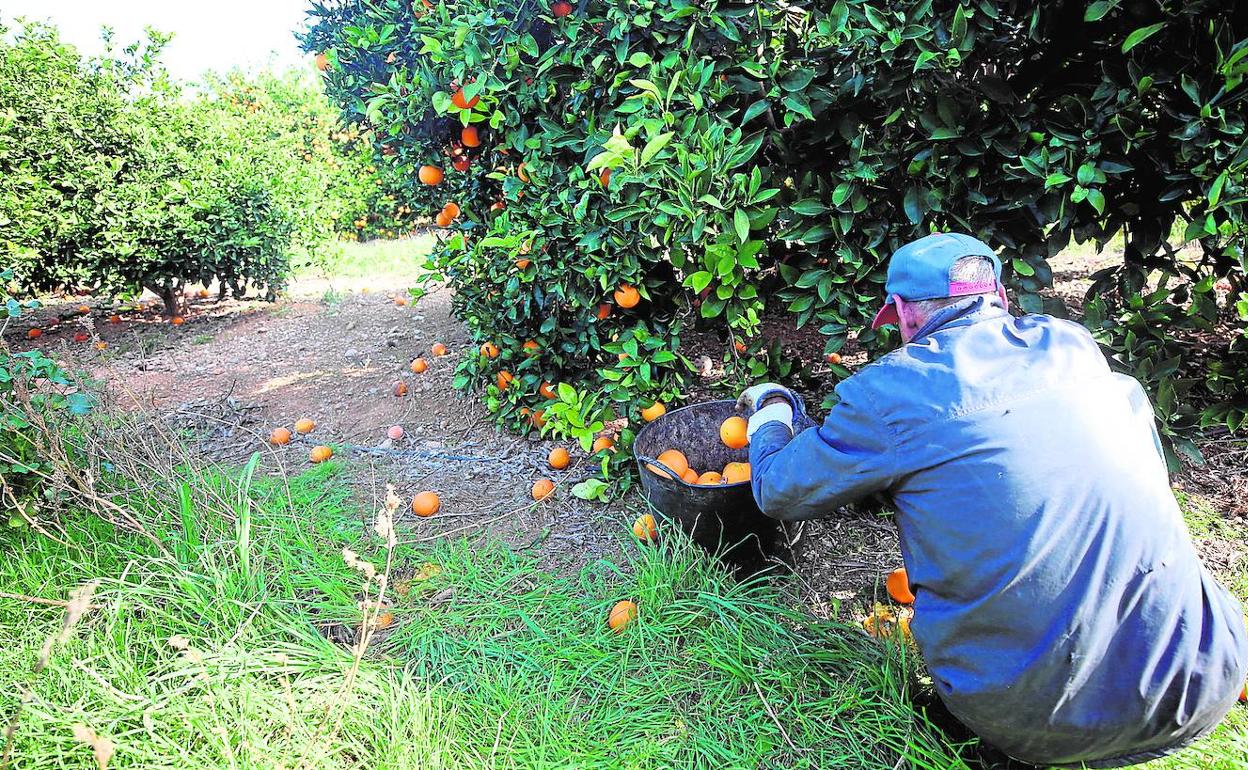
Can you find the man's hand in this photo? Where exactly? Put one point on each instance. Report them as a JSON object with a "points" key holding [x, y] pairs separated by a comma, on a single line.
{"points": [[757, 396], [766, 403]]}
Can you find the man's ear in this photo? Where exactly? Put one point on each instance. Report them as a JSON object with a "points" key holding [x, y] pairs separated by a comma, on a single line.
{"points": [[1005, 301], [905, 318]]}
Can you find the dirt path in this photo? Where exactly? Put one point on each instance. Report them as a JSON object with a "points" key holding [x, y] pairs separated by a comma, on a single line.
{"points": [[235, 370]]}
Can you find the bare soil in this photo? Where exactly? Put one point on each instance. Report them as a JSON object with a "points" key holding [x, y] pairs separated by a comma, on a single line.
{"points": [[332, 353], [236, 370]]}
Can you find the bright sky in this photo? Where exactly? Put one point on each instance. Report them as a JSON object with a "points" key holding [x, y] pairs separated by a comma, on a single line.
{"points": [[216, 35]]}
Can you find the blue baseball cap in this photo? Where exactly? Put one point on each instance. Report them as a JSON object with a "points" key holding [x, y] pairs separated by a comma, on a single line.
{"points": [[922, 270]]}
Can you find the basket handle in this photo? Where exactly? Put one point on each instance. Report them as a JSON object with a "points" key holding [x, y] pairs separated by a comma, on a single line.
{"points": [[646, 461]]}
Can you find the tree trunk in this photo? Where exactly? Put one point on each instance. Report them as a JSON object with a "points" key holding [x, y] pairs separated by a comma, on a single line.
{"points": [[170, 293]]}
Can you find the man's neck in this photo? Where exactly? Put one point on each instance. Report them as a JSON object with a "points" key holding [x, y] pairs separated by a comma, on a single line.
{"points": [[958, 310]]}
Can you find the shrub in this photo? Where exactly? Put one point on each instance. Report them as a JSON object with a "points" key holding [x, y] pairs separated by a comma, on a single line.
{"points": [[780, 152], [36, 399]]}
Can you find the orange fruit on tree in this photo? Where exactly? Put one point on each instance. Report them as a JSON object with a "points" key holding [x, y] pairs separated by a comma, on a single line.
{"points": [[464, 103], [561, 9], [732, 432], [426, 504], [320, 454], [604, 311], [305, 426], [400, 389], [622, 614], [34, 334], [558, 458], [546, 390], [898, 584], [710, 478], [419, 366], [279, 436], [734, 473], [470, 137], [542, 489], [626, 296], [603, 443], [530, 348], [322, 62], [690, 476], [438, 349], [430, 175], [538, 418], [654, 411], [489, 350], [645, 528], [671, 458], [451, 209], [177, 320], [503, 379], [442, 220]]}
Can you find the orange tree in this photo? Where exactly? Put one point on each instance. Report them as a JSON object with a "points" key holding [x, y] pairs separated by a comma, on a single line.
{"points": [[725, 159], [115, 180], [338, 188]]}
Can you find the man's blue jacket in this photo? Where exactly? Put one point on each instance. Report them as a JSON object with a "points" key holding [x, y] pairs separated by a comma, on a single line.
{"points": [[1060, 605]]}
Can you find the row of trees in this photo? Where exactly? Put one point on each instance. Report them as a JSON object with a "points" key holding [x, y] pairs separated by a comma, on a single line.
{"points": [[727, 160], [115, 179]]}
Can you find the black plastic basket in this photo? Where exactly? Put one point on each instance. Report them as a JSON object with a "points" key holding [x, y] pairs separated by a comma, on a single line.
{"points": [[723, 518]]}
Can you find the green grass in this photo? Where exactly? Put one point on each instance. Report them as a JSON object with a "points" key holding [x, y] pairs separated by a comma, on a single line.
{"points": [[376, 258], [1205, 521], [493, 663]]}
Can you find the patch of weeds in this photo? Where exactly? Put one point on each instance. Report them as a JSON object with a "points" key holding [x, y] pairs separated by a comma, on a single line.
{"points": [[1203, 518]]}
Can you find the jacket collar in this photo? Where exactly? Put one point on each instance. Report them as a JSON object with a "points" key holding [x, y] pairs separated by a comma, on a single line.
{"points": [[969, 311]]}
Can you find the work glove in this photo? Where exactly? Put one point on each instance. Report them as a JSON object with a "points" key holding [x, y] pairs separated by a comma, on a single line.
{"points": [[751, 403]]}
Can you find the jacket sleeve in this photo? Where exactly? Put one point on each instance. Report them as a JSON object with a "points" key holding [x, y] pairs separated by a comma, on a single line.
{"points": [[811, 474]]}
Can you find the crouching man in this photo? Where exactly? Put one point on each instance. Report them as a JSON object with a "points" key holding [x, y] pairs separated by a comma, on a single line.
{"points": [[1060, 605]]}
